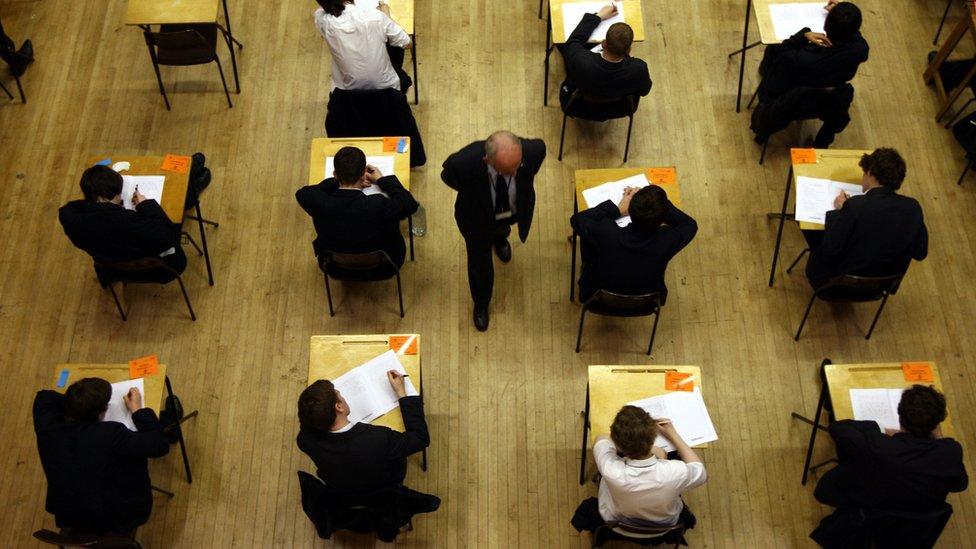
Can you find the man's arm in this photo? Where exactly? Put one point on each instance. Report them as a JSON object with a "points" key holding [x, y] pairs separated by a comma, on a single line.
{"points": [[395, 35], [48, 409], [149, 441], [415, 436], [576, 42], [585, 223], [644, 87], [683, 225], [308, 197], [449, 173], [838, 228], [401, 204], [153, 227], [687, 455], [850, 438], [920, 247]]}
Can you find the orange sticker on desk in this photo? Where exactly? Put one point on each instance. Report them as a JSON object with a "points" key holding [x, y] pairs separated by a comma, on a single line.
{"points": [[678, 381], [917, 371], [663, 175], [405, 345], [144, 366], [176, 163], [390, 144], [803, 156]]}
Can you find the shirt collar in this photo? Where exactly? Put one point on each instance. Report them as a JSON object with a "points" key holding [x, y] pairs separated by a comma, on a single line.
{"points": [[641, 463], [348, 426]]}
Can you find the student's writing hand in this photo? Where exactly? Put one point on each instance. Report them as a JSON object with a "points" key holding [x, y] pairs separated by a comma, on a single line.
{"points": [[839, 201], [373, 174], [891, 432], [666, 428], [830, 4], [624, 206], [818, 38], [659, 453], [137, 197], [383, 7], [133, 400], [396, 381], [608, 11]]}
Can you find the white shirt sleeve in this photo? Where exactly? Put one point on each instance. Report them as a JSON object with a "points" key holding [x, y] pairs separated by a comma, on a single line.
{"points": [[320, 24], [395, 35], [694, 475], [608, 462]]}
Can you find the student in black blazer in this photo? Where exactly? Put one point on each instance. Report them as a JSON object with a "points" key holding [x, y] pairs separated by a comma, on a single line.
{"points": [[97, 471], [874, 234], [358, 458], [102, 227], [348, 220], [494, 181], [631, 260]]}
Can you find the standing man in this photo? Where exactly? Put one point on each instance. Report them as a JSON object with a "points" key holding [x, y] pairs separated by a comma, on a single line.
{"points": [[494, 181]]}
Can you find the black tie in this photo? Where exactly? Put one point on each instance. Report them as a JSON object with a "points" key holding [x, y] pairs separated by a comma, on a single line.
{"points": [[501, 195]]}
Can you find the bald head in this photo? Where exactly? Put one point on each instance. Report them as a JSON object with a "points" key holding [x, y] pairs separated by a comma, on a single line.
{"points": [[503, 151]]}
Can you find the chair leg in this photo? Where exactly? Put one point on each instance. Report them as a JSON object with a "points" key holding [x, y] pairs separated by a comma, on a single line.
{"points": [[118, 304], [630, 126], [755, 94], [958, 114], [223, 81], [192, 242], [159, 77], [877, 316], [969, 165], [400, 293], [797, 260], [805, 315], [328, 294], [20, 89], [6, 91], [945, 15], [579, 335], [657, 316], [562, 136], [203, 240], [186, 298], [762, 156], [213, 224], [416, 78]]}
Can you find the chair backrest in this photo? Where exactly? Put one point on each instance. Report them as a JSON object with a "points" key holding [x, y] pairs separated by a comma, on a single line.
{"points": [[822, 102], [144, 265], [366, 261], [860, 288], [106, 541], [919, 529], [610, 107], [612, 304], [175, 40]]}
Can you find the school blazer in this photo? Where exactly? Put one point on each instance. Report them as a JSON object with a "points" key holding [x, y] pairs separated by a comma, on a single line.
{"points": [[112, 233]]}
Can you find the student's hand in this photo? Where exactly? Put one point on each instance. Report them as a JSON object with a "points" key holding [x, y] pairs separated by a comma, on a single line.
{"points": [[817, 38], [383, 7], [373, 174], [659, 453], [137, 197], [133, 400], [891, 432], [396, 381], [937, 432], [624, 206], [839, 201], [608, 11], [666, 428], [830, 4]]}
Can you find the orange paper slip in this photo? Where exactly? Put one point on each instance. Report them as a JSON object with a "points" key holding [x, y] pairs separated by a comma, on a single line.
{"points": [[679, 381], [390, 144], [663, 175], [176, 163], [144, 366], [405, 345], [803, 156], [917, 371]]}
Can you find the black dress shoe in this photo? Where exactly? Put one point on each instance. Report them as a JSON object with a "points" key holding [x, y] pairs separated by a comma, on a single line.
{"points": [[481, 318], [504, 250]]}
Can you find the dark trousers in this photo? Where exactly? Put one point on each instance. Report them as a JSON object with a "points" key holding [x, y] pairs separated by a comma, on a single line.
{"points": [[397, 56], [481, 267]]}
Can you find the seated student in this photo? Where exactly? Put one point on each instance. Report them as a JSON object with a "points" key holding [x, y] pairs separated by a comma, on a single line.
{"points": [[101, 226], [610, 73], [362, 43], [16, 59], [874, 234], [348, 220], [640, 485], [631, 260], [97, 471], [912, 469], [813, 60]]}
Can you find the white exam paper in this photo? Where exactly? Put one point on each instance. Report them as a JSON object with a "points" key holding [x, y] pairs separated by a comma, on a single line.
{"points": [[687, 413], [116, 405], [815, 197], [789, 18], [573, 13], [150, 186], [880, 405], [614, 191], [367, 389], [384, 163]]}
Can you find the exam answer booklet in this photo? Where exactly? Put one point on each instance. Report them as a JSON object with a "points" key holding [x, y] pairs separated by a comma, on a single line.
{"points": [[614, 192], [879, 405], [367, 389], [688, 414], [150, 186], [116, 405]]}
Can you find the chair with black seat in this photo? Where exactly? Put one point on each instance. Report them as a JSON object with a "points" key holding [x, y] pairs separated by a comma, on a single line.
{"points": [[374, 113], [194, 189], [359, 267], [597, 108], [641, 535], [66, 538], [606, 303], [135, 272], [882, 528], [184, 45], [831, 105], [851, 289]]}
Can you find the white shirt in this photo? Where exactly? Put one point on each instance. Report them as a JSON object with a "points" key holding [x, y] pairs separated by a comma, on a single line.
{"points": [[510, 181], [348, 426], [357, 39], [645, 489]]}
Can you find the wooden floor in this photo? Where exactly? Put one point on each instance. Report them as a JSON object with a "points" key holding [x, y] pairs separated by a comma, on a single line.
{"points": [[503, 406]]}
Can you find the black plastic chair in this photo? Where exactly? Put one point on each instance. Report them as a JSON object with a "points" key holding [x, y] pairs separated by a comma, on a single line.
{"points": [[94, 541], [130, 271], [641, 535], [181, 46], [606, 303], [19, 89], [194, 190], [361, 267], [587, 106], [851, 289], [806, 104]]}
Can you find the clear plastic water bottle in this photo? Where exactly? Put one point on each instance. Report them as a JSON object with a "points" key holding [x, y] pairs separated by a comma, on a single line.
{"points": [[420, 222]]}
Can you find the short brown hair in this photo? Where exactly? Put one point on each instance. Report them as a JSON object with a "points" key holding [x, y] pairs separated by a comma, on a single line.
{"points": [[86, 399], [886, 165], [100, 182], [316, 405], [921, 410], [647, 208], [619, 38], [633, 432]]}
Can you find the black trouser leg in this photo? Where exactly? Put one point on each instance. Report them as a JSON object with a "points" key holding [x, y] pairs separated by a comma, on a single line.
{"points": [[481, 271]]}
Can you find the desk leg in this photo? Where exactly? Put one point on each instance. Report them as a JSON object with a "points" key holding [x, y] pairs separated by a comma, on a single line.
{"points": [[416, 78], [782, 221], [231, 40], [816, 422], [742, 60], [410, 232], [586, 427], [545, 90], [572, 264], [179, 435], [423, 454], [203, 240], [951, 42]]}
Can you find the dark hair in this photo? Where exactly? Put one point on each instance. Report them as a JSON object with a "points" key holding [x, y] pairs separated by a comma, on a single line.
{"points": [[619, 38], [350, 165], [316, 405], [886, 165], [100, 182], [86, 399], [647, 207], [633, 432], [333, 7], [843, 22], [921, 410]]}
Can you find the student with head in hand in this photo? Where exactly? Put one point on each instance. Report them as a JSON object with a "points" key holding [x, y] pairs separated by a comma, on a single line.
{"points": [[640, 485], [631, 260], [97, 471], [349, 220], [101, 226], [878, 233]]}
